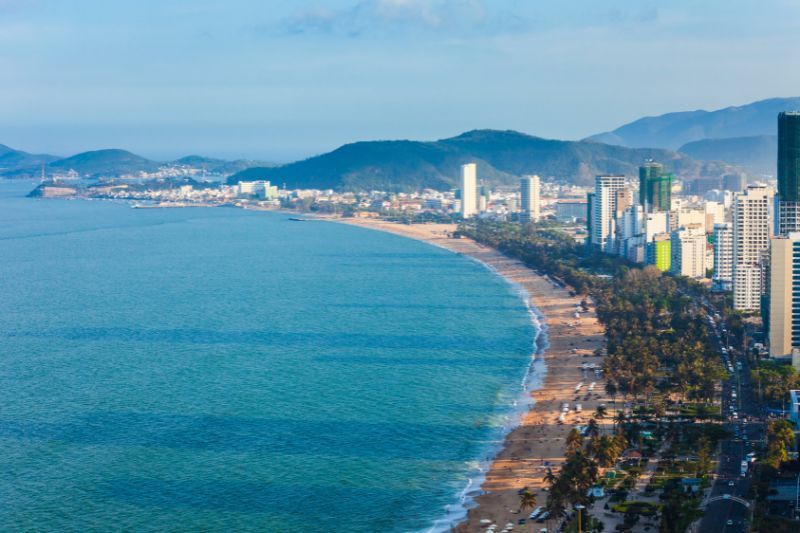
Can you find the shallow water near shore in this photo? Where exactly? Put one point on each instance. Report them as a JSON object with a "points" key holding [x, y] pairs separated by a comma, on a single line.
{"points": [[184, 369]]}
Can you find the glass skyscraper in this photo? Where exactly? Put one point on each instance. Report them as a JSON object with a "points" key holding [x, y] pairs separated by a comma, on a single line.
{"points": [[655, 187], [788, 172], [789, 156]]}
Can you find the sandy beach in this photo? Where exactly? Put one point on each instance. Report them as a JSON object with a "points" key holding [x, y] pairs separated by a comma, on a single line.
{"points": [[539, 441]]}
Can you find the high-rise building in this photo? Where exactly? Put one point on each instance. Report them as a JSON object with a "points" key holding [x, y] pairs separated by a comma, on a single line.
{"points": [[788, 172], [723, 257], [784, 301], [752, 230], [469, 190], [688, 249], [604, 210], [530, 187], [655, 187], [629, 230]]}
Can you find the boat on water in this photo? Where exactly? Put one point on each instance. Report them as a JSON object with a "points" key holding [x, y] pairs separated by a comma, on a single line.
{"points": [[295, 219]]}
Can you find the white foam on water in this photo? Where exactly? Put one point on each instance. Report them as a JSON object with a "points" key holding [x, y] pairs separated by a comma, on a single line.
{"points": [[532, 380]]}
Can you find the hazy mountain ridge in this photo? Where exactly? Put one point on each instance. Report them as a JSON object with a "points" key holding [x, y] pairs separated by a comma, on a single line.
{"points": [[111, 162], [674, 130], [11, 159], [502, 156], [756, 154]]}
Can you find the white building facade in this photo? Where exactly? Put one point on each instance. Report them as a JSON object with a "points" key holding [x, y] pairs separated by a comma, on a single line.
{"points": [[752, 231], [722, 279], [469, 190], [530, 191], [604, 210]]}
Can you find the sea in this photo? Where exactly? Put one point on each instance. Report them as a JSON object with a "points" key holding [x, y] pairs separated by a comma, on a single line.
{"points": [[217, 369]]}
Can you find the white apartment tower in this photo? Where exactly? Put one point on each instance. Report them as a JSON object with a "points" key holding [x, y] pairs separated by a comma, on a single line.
{"points": [[723, 257], [688, 250], [530, 189], [604, 210], [752, 230], [469, 190], [784, 302]]}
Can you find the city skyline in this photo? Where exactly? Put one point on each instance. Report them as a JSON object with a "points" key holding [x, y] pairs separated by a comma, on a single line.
{"points": [[287, 80]]}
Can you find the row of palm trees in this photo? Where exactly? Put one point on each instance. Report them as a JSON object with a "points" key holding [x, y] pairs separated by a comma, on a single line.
{"points": [[657, 341], [585, 455]]}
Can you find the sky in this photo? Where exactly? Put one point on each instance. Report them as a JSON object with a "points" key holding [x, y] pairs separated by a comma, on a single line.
{"points": [[279, 80]]}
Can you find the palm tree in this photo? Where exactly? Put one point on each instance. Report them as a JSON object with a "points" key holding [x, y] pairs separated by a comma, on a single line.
{"points": [[574, 441], [527, 500], [550, 478]]}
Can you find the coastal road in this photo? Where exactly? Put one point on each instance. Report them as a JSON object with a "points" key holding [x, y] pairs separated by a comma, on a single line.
{"points": [[726, 514]]}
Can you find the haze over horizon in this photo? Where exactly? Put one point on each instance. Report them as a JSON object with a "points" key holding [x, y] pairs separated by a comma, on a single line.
{"points": [[286, 80]]}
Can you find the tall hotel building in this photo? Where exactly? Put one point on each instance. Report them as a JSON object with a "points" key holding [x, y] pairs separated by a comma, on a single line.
{"points": [[788, 172], [784, 269], [530, 187], [752, 230], [604, 210], [723, 257], [469, 190], [784, 305]]}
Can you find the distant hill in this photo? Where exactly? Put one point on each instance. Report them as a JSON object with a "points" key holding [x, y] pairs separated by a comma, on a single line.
{"points": [[111, 163], [105, 162], [757, 154], [675, 130], [11, 159], [502, 156]]}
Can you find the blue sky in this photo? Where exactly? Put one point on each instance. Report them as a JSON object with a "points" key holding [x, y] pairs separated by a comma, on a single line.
{"points": [[280, 80]]}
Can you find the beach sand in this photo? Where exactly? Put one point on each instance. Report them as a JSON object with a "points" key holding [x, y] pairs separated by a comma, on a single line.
{"points": [[539, 441]]}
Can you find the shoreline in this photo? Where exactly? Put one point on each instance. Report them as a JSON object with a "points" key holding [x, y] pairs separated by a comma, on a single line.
{"points": [[537, 441]]}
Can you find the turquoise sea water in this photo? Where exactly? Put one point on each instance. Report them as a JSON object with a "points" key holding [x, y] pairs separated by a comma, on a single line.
{"points": [[216, 369]]}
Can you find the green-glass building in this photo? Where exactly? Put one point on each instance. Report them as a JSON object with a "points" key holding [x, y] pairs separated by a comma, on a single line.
{"points": [[789, 156], [655, 187]]}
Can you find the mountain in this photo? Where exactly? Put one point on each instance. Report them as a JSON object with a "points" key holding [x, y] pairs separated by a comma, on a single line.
{"points": [[674, 130], [502, 156], [757, 154], [11, 159], [105, 162], [112, 163]]}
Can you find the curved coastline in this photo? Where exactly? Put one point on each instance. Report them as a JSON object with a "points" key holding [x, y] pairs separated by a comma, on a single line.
{"points": [[532, 441]]}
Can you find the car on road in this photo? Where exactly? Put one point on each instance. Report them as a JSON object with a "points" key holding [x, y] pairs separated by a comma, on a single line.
{"points": [[729, 523], [731, 483]]}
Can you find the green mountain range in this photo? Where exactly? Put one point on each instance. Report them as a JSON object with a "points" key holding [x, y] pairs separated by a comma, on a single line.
{"points": [[502, 156]]}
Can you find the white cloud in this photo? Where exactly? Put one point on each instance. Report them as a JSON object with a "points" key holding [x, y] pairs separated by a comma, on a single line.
{"points": [[381, 16]]}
